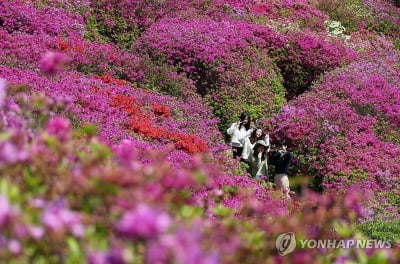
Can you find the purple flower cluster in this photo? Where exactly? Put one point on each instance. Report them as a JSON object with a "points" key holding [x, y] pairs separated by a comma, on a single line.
{"points": [[53, 62], [57, 218], [143, 222]]}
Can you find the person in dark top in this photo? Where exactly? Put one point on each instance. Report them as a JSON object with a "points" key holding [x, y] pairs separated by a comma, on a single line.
{"points": [[281, 159]]}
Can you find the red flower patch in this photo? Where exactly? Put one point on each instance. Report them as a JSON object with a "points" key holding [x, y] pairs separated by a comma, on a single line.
{"points": [[109, 79], [161, 110], [189, 142], [141, 123]]}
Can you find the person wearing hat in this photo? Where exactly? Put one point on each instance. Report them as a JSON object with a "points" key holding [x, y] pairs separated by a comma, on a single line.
{"points": [[258, 159], [250, 142], [282, 159]]}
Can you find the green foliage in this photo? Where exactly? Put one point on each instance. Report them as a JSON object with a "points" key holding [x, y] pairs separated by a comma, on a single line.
{"points": [[382, 230], [11, 191], [365, 109], [164, 78], [385, 27], [230, 189], [260, 99], [76, 254], [88, 130], [350, 13], [393, 198], [120, 32], [222, 211], [387, 131], [189, 212], [396, 43]]}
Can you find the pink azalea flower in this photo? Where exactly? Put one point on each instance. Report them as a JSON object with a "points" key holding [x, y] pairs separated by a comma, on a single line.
{"points": [[3, 91], [59, 127], [7, 212], [144, 222], [53, 62]]}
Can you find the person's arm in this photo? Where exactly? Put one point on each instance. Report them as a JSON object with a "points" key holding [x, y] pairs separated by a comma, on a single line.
{"points": [[265, 168], [288, 159], [248, 132], [246, 149], [232, 129], [266, 139], [273, 158], [252, 161], [243, 136]]}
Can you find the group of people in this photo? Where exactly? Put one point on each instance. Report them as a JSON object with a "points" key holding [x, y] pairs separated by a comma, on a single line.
{"points": [[252, 146]]}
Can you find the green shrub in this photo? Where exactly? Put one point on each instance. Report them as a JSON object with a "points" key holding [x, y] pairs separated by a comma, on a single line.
{"points": [[382, 230], [259, 97], [350, 13]]}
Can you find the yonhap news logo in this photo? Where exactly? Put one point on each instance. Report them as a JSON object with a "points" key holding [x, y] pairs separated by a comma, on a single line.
{"points": [[286, 243]]}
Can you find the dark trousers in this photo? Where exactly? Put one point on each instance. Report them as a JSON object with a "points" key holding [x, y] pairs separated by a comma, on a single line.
{"points": [[237, 152]]}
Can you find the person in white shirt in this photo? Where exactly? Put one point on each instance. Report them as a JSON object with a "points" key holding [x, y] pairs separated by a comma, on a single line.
{"points": [[238, 132], [258, 159], [249, 142]]}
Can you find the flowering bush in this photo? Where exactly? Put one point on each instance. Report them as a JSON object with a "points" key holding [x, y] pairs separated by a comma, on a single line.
{"points": [[353, 147], [379, 16], [26, 17], [218, 56], [124, 21]]}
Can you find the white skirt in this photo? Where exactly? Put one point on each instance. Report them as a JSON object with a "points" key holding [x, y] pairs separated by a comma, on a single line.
{"points": [[282, 183]]}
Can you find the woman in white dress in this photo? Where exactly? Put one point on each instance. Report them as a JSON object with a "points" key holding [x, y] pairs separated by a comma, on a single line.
{"points": [[238, 132]]}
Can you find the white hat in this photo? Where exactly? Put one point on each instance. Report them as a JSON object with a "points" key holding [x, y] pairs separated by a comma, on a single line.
{"points": [[260, 142]]}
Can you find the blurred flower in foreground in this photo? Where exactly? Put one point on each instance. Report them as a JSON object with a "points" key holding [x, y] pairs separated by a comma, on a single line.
{"points": [[58, 218], [114, 256], [10, 153], [144, 222], [3, 91], [59, 127], [7, 212], [53, 62]]}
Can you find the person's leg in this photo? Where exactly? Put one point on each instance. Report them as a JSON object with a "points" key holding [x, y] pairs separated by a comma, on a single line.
{"points": [[234, 152], [285, 186], [239, 152], [282, 184]]}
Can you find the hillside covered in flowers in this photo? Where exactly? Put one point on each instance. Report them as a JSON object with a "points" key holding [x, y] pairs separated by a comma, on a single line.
{"points": [[113, 118]]}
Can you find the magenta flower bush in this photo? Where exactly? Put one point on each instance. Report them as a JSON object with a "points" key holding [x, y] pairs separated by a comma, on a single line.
{"points": [[143, 222], [219, 58], [33, 18], [3, 91], [386, 17], [53, 62], [346, 129], [305, 56]]}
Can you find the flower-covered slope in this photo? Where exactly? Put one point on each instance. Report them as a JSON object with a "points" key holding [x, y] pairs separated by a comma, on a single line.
{"points": [[346, 129]]}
